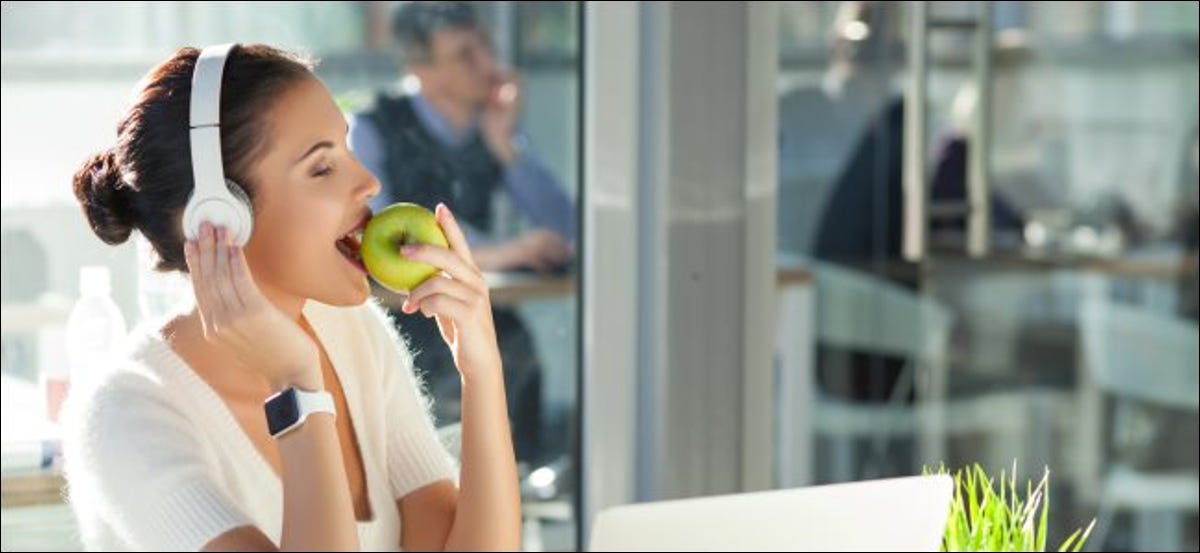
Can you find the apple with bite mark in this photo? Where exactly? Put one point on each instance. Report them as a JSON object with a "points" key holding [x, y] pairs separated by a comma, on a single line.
{"points": [[394, 227]]}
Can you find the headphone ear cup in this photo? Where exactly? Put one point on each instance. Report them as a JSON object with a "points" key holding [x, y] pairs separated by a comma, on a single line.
{"points": [[245, 210], [232, 210], [240, 193]]}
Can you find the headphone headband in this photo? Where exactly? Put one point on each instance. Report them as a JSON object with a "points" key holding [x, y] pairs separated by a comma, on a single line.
{"points": [[205, 120], [214, 198]]}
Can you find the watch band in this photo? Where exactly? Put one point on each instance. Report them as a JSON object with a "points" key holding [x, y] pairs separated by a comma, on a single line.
{"points": [[290, 408]]}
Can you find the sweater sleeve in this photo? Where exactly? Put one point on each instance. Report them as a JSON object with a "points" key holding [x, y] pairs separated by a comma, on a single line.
{"points": [[415, 455], [135, 465]]}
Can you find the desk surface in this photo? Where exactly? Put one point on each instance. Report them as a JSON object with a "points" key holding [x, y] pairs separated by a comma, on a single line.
{"points": [[514, 288], [1155, 268], [33, 488], [505, 288]]}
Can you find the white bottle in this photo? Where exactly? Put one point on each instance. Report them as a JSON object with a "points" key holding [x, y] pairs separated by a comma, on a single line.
{"points": [[94, 331]]}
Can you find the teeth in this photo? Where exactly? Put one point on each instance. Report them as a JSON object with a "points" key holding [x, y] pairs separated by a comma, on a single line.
{"points": [[348, 250]]}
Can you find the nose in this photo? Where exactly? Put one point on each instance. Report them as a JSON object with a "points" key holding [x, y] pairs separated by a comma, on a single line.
{"points": [[369, 186]]}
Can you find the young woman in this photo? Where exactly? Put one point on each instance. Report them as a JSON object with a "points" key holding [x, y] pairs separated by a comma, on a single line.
{"points": [[171, 449]]}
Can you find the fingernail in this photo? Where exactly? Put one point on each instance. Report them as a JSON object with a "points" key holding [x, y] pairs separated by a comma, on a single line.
{"points": [[189, 248], [410, 249], [222, 235]]}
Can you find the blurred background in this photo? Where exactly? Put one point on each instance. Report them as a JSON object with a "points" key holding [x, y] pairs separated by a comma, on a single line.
{"points": [[817, 242]]}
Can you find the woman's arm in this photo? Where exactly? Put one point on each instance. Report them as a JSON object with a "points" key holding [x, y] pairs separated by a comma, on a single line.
{"points": [[487, 511], [489, 504], [439, 517], [317, 510], [318, 514]]}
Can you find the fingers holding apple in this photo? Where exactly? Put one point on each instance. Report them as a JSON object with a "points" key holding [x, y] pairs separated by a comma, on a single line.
{"points": [[450, 288], [463, 314], [448, 261], [456, 297], [454, 260], [454, 234]]}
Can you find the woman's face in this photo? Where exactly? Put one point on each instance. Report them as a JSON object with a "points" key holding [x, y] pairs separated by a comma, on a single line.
{"points": [[310, 191]]}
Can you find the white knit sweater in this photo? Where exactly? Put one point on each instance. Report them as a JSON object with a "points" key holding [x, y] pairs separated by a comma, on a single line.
{"points": [[156, 461]]}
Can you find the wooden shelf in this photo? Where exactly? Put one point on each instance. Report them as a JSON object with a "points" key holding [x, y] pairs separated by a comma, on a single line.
{"points": [[35, 488]]}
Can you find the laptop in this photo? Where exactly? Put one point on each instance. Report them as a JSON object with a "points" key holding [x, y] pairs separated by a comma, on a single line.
{"points": [[898, 514]]}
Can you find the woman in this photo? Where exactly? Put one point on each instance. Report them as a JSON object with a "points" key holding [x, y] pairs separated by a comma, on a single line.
{"points": [[171, 450]]}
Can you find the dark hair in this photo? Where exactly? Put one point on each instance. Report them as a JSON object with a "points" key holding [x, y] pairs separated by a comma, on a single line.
{"points": [[144, 181], [414, 23]]}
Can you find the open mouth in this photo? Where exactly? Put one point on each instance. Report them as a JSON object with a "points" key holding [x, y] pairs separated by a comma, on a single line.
{"points": [[350, 244]]}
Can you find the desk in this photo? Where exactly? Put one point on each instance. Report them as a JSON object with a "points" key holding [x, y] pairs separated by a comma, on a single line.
{"points": [[32, 488], [509, 289], [506, 289], [1154, 263]]}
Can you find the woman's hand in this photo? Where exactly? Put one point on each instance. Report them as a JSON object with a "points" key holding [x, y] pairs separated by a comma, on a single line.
{"points": [[457, 298], [239, 318]]}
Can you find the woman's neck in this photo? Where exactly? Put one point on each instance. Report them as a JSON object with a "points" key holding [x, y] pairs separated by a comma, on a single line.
{"points": [[290, 305]]}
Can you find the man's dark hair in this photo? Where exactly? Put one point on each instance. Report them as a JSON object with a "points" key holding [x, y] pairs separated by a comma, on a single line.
{"points": [[414, 23]]}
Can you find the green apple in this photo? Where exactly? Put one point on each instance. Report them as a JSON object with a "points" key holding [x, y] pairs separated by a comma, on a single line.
{"points": [[396, 226]]}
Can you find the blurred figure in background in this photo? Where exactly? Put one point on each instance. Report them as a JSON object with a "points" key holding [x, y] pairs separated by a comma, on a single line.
{"points": [[853, 125], [841, 191], [820, 125], [453, 139], [948, 178], [840, 199]]}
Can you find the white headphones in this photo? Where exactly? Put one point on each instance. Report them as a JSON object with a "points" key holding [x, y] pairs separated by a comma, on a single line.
{"points": [[215, 199]]}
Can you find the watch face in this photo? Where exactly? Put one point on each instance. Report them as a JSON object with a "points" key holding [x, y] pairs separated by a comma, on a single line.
{"points": [[282, 411]]}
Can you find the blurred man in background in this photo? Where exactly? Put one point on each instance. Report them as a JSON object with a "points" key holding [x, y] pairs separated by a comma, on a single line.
{"points": [[454, 139]]}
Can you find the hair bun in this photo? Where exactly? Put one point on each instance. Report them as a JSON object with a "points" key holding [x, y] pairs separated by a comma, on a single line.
{"points": [[104, 197]]}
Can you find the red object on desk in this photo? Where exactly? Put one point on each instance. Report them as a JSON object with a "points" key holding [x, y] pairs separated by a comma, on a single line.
{"points": [[56, 393]]}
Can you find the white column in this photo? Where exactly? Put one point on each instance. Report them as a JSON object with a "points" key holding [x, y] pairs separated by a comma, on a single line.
{"points": [[608, 403], [679, 274]]}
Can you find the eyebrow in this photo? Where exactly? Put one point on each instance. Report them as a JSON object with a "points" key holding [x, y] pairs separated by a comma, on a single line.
{"points": [[318, 146], [314, 148]]}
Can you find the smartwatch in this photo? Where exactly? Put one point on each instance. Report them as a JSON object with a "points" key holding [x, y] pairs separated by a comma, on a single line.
{"points": [[288, 409]]}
